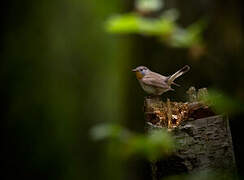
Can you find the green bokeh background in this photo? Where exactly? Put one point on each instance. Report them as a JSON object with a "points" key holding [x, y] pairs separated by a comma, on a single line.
{"points": [[62, 73]]}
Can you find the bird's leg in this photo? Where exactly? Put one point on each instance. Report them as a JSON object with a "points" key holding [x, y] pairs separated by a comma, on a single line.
{"points": [[150, 96], [153, 96]]}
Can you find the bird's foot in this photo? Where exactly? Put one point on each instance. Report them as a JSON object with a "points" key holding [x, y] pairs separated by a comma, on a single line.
{"points": [[153, 96]]}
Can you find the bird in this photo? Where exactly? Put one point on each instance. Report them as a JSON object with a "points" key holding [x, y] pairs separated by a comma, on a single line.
{"points": [[156, 84]]}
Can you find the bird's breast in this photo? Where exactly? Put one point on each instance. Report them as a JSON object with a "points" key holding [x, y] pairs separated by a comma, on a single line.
{"points": [[139, 75], [148, 89]]}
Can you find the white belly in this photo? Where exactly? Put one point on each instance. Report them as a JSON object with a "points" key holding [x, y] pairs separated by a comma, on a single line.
{"points": [[152, 90], [148, 89]]}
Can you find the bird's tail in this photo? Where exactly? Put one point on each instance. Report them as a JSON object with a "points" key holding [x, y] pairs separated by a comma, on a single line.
{"points": [[178, 74]]}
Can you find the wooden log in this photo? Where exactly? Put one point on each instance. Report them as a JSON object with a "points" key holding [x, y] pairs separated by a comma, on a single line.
{"points": [[203, 143]]}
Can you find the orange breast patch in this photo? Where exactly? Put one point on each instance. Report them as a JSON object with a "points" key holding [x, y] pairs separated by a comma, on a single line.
{"points": [[139, 75]]}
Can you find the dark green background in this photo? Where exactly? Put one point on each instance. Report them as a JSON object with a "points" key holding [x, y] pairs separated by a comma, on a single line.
{"points": [[61, 74]]}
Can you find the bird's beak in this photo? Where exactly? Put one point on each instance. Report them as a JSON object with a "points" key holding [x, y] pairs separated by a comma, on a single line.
{"points": [[133, 70]]}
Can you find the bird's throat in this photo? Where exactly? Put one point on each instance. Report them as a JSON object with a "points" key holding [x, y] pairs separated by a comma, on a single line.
{"points": [[139, 75]]}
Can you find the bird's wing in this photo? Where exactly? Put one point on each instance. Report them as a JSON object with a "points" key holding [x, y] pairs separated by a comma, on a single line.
{"points": [[156, 80]]}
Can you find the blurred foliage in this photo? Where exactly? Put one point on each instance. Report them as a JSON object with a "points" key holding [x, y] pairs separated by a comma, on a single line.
{"points": [[156, 144], [133, 23], [165, 27], [190, 36], [62, 74], [149, 5], [223, 103], [105, 131]]}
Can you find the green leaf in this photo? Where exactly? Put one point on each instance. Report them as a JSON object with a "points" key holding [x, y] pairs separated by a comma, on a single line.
{"points": [[133, 23], [223, 103]]}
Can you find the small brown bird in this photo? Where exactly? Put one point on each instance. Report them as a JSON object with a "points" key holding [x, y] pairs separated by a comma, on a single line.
{"points": [[154, 83]]}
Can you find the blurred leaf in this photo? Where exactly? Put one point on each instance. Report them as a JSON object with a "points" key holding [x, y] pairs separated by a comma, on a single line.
{"points": [[151, 146], [223, 103], [149, 5], [189, 36], [133, 23], [160, 143], [171, 14], [123, 24], [164, 27], [104, 131]]}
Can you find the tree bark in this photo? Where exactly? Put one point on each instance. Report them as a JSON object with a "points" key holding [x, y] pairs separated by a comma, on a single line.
{"points": [[202, 143]]}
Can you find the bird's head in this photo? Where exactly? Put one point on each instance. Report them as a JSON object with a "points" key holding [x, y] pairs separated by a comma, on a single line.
{"points": [[140, 71]]}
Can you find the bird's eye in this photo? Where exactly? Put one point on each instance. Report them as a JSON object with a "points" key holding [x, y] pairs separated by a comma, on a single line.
{"points": [[141, 69]]}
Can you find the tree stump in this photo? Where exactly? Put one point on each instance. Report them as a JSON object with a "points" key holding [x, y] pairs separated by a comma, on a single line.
{"points": [[203, 139]]}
